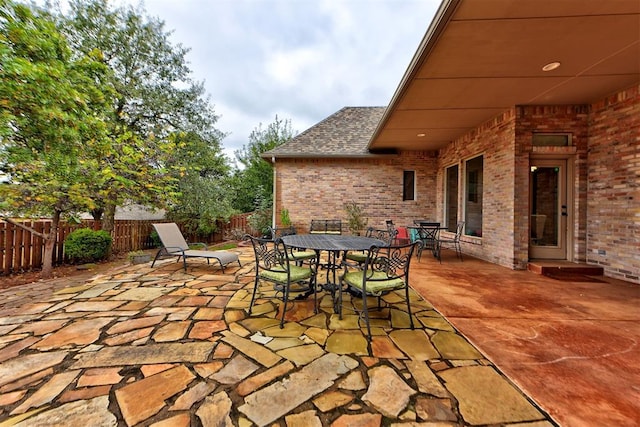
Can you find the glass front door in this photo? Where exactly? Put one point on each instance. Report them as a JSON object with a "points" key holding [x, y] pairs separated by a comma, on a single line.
{"points": [[548, 209]]}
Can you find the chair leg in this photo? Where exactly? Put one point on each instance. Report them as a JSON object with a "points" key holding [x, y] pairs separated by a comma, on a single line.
{"points": [[285, 299], [253, 296], [156, 257], [406, 293], [366, 314]]}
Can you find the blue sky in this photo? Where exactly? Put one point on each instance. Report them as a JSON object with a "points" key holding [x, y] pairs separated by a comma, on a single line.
{"points": [[301, 60]]}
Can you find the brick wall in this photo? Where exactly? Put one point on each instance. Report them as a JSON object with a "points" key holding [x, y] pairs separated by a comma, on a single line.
{"points": [[603, 177], [571, 119], [506, 145], [319, 188], [493, 140], [613, 237]]}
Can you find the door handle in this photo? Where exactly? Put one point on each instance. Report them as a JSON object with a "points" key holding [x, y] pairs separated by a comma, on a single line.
{"points": [[564, 210]]}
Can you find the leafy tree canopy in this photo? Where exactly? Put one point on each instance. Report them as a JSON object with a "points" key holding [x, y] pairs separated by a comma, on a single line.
{"points": [[254, 181], [52, 125], [155, 100], [53, 130]]}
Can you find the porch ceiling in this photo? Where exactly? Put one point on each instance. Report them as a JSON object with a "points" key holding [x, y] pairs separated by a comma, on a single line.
{"points": [[481, 57]]}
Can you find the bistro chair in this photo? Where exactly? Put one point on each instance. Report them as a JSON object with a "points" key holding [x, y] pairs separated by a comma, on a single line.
{"points": [[357, 258], [452, 243], [275, 265], [386, 269], [298, 255]]}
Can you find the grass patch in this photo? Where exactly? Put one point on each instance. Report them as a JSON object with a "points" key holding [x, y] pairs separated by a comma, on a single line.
{"points": [[224, 246]]}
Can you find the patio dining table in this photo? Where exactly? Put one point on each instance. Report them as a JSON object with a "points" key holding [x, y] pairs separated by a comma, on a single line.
{"points": [[333, 244], [428, 232]]}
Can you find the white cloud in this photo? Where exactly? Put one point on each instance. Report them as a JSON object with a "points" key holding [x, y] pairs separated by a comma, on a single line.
{"points": [[300, 59]]}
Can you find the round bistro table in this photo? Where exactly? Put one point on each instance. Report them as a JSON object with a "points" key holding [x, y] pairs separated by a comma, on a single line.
{"points": [[333, 244]]}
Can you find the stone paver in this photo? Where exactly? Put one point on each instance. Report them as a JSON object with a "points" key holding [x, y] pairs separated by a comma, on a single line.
{"points": [[142, 399], [274, 401], [82, 413], [160, 348], [388, 393], [479, 387]]}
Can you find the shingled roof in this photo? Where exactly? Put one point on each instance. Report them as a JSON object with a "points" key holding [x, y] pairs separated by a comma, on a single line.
{"points": [[345, 133]]}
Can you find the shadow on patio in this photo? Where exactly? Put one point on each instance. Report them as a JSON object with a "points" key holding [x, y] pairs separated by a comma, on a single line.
{"points": [[158, 347]]}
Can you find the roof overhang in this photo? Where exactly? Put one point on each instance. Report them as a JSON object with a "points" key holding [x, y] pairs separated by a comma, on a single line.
{"points": [[482, 57]]}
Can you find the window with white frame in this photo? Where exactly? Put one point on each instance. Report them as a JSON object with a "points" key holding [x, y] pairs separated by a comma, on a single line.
{"points": [[473, 170], [451, 198]]}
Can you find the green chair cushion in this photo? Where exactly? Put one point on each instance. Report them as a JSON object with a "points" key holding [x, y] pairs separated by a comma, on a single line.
{"points": [[376, 284], [300, 255], [357, 256], [280, 275]]}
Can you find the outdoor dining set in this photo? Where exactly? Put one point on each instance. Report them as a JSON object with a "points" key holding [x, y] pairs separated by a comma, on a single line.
{"points": [[366, 267]]}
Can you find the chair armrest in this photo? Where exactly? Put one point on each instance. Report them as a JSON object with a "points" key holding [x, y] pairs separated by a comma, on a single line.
{"points": [[173, 249]]}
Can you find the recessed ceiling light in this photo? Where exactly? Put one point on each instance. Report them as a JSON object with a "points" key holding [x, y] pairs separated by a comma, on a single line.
{"points": [[420, 135], [551, 66]]}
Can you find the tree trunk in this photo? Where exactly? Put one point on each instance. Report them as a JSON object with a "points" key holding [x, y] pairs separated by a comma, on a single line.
{"points": [[108, 219], [49, 244], [97, 213]]}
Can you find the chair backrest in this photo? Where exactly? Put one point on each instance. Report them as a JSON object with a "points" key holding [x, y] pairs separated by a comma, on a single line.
{"points": [[325, 226], [459, 229], [386, 236], [429, 230], [392, 260], [281, 231], [171, 236], [269, 254]]}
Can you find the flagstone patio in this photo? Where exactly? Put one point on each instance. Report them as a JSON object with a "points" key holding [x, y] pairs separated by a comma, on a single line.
{"points": [[160, 347]]}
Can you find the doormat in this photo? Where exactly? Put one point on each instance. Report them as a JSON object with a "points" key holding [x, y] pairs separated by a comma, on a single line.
{"points": [[571, 277]]}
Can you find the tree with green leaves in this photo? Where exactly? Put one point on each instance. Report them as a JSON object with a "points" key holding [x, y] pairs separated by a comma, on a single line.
{"points": [[156, 103], [253, 181], [52, 122], [204, 191]]}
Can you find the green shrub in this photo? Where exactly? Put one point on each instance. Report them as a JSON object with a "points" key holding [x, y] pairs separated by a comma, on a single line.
{"points": [[154, 238], [86, 245]]}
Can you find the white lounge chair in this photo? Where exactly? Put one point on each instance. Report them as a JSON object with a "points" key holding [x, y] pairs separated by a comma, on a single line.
{"points": [[173, 243]]}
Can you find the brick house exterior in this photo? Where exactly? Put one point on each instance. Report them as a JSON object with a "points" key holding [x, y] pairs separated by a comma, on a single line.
{"points": [[349, 157]]}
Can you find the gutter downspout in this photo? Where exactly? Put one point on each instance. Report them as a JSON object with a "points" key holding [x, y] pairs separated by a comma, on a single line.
{"points": [[275, 192]]}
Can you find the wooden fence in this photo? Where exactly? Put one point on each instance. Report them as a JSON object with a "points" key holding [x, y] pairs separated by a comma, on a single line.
{"points": [[21, 250]]}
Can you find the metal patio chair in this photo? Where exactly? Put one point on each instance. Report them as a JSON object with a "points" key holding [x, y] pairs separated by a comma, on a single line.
{"points": [[357, 258], [386, 269], [299, 255], [275, 265], [452, 243]]}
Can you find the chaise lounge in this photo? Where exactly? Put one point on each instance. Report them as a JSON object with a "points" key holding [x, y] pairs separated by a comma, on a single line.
{"points": [[173, 243]]}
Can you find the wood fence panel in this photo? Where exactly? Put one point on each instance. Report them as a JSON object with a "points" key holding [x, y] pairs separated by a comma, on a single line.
{"points": [[38, 244], [21, 250], [18, 249], [28, 249], [5, 265], [10, 248]]}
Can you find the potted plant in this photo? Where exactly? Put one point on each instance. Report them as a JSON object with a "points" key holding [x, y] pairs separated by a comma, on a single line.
{"points": [[356, 221], [138, 257], [285, 220]]}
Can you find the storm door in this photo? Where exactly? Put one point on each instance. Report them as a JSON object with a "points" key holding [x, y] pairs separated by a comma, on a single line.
{"points": [[548, 209]]}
